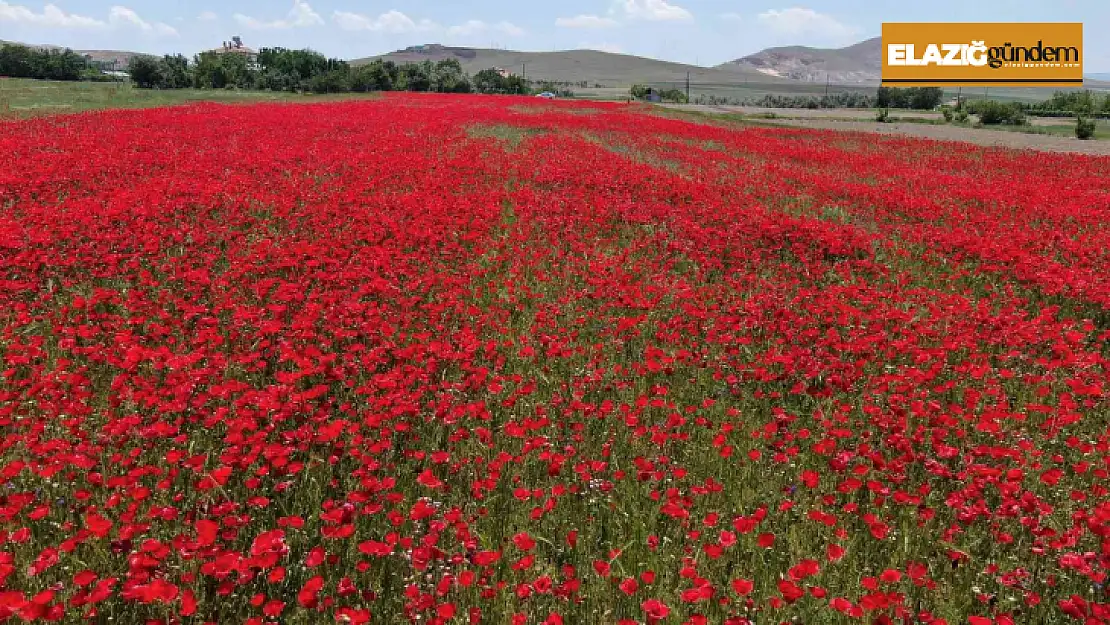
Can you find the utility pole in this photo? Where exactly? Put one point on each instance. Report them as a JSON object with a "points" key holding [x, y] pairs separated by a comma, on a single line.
{"points": [[687, 87], [826, 83], [524, 71]]}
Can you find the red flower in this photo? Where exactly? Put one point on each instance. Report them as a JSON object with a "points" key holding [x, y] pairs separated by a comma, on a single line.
{"points": [[486, 558], [742, 587], [655, 609]]}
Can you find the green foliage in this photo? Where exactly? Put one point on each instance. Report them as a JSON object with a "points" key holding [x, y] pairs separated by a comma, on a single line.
{"points": [[18, 61], [175, 72], [992, 112], [1071, 101], [883, 116], [639, 92], [168, 72], [919, 98], [331, 81], [947, 112], [272, 69], [1084, 127], [490, 81], [673, 95], [448, 77], [832, 100], [217, 71], [378, 75], [961, 116], [296, 66], [146, 71]]}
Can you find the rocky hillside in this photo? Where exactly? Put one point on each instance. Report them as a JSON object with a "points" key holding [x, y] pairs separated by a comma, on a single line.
{"points": [[857, 64]]}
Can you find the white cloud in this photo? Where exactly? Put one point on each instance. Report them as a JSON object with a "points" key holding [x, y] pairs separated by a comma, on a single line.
{"points": [[652, 10], [300, 16], [585, 21], [478, 27], [394, 22], [123, 16], [732, 17], [799, 21], [208, 16], [51, 17]]}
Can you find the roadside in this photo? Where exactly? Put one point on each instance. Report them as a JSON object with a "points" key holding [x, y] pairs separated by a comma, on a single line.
{"points": [[948, 132], [1048, 134]]}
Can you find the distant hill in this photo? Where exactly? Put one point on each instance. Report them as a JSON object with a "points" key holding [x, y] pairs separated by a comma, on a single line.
{"points": [[592, 66], [120, 57], [857, 64]]}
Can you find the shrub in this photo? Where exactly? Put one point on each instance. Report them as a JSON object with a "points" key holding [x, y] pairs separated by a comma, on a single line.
{"points": [[994, 113], [947, 112], [883, 116], [961, 116], [1084, 127]]}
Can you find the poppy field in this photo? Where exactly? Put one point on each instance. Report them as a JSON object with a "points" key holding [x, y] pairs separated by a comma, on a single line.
{"points": [[450, 359]]}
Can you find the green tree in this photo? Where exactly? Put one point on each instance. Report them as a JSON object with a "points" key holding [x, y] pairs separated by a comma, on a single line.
{"points": [[19, 61], [491, 81], [217, 71], [418, 76], [377, 75], [925, 98], [1084, 127], [673, 95], [991, 112], [448, 77], [175, 72], [332, 81], [890, 97], [146, 71]]}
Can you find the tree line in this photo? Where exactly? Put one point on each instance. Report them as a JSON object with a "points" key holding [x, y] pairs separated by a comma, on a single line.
{"points": [[18, 61], [917, 98], [273, 69], [280, 69]]}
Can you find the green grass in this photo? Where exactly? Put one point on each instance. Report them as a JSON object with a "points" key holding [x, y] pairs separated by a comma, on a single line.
{"points": [[1102, 129], [21, 98]]}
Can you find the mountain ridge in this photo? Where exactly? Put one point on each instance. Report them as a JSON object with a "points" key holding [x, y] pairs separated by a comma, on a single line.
{"points": [[856, 65], [859, 63], [591, 66], [120, 57]]}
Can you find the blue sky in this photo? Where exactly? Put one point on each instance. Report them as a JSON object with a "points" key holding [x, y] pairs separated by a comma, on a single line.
{"points": [[706, 32]]}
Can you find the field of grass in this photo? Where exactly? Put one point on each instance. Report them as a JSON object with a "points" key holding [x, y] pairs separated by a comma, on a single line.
{"points": [[466, 359], [21, 98], [1052, 126], [1066, 128]]}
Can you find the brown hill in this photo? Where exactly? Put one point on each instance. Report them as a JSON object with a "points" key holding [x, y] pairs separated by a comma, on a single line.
{"points": [[120, 58], [860, 63], [592, 66]]}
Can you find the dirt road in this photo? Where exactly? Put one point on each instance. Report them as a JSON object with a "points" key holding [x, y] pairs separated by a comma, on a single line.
{"points": [[862, 120], [978, 136]]}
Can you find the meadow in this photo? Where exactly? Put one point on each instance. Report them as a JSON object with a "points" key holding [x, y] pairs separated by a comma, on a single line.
{"points": [[23, 98], [462, 359]]}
